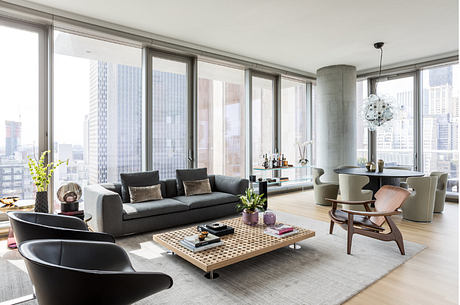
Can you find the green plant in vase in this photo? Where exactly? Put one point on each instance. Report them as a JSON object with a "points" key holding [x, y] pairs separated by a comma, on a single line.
{"points": [[41, 173], [250, 203]]}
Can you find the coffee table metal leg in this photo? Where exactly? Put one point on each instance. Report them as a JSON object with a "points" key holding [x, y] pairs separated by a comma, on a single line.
{"points": [[211, 275], [295, 246], [169, 252]]}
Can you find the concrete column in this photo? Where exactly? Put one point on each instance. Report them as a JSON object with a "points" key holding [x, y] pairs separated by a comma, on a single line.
{"points": [[335, 119]]}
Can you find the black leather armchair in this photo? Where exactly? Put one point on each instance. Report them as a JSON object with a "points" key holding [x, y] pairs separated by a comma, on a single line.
{"points": [[31, 225], [86, 272]]}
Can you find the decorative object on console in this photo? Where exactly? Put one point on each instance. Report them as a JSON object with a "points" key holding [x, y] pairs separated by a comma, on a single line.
{"points": [[41, 173], [381, 164], [69, 194], [269, 218], [377, 110], [250, 203], [303, 152]]}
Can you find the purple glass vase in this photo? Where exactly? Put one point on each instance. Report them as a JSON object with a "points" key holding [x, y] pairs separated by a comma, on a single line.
{"points": [[250, 218], [269, 218]]}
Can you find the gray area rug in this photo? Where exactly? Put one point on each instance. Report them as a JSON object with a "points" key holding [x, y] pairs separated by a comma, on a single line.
{"points": [[319, 273]]}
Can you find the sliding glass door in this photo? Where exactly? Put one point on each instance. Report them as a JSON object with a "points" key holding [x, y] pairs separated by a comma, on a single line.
{"points": [[440, 110], [395, 139], [20, 91], [97, 109], [263, 97], [221, 119], [170, 114]]}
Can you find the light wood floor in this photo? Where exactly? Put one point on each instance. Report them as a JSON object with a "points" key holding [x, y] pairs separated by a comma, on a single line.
{"points": [[431, 277]]}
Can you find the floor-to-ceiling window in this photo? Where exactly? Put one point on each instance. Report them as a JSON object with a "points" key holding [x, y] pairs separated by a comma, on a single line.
{"points": [[97, 109], [440, 110], [294, 124], [361, 126], [221, 119], [169, 115], [19, 104], [262, 118], [395, 139]]}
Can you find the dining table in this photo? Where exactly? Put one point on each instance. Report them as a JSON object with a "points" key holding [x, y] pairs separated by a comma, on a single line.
{"points": [[389, 176]]}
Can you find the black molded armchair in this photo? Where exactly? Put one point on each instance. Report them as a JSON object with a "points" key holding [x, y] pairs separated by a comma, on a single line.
{"points": [[32, 225], [86, 272]]}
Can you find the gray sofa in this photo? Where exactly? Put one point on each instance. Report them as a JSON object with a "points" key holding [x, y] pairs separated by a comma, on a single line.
{"points": [[111, 215]]}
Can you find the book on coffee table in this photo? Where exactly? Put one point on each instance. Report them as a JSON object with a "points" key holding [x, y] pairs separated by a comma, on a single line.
{"points": [[293, 232], [280, 229], [194, 241], [188, 246]]}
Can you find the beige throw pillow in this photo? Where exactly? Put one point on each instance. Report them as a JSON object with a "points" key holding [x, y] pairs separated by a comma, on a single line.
{"points": [[197, 187], [145, 193]]}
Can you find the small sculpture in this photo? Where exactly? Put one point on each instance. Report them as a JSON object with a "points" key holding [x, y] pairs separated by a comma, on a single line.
{"points": [[381, 165], [269, 218], [69, 194], [203, 235]]}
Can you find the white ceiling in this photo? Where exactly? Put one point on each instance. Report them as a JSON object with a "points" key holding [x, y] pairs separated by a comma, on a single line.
{"points": [[301, 34]]}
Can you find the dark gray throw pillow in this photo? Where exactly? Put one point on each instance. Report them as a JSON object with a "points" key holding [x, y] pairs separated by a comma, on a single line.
{"points": [[189, 175], [197, 187], [137, 179]]}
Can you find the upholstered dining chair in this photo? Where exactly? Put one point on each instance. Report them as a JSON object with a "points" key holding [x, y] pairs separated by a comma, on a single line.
{"points": [[420, 204], [369, 223], [33, 225], [351, 190], [402, 181], [441, 190], [86, 272], [323, 190]]}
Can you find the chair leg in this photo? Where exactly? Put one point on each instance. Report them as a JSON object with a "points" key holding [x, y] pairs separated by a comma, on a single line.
{"points": [[331, 227], [397, 234], [349, 233]]}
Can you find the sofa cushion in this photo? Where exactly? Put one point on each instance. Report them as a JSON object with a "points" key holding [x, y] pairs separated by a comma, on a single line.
{"points": [[144, 193], [197, 187], [152, 208], [189, 175], [207, 200], [137, 179]]}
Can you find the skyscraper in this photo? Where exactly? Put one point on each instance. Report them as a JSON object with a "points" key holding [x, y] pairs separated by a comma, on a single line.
{"points": [[12, 137], [114, 121]]}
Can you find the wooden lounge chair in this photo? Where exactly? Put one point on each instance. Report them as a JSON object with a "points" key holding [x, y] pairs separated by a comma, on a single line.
{"points": [[369, 223]]}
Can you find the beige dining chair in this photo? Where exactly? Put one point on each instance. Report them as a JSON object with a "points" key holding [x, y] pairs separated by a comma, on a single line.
{"points": [[323, 190], [419, 206], [402, 181], [441, 189], [351, 190]]}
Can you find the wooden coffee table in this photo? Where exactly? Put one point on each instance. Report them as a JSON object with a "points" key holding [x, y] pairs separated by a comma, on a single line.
{"points": [[246, 242]]}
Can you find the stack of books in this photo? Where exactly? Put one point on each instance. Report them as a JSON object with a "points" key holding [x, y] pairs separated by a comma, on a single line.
{"points": [[280, 230], [80, 214], [217, 228], [193, 243]]}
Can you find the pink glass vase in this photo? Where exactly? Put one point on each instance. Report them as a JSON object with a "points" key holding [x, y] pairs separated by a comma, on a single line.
{"points": [[269, 218], [250, 218]]}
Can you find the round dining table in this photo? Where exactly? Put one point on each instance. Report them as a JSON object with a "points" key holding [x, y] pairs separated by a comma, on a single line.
{"points": [[388, 176]]}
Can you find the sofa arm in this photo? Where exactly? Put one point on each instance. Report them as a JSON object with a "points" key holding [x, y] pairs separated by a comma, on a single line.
{"points": [[232, 185], [106, 208]]}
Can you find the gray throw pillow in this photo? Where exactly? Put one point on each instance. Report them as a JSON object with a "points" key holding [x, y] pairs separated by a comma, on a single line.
{"points": [[144, 193], [189, 175], [137, 179], [197, 187]]}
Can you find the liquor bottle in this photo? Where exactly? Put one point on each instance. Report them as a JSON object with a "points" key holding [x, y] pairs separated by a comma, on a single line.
{"points": [[266, 163]]}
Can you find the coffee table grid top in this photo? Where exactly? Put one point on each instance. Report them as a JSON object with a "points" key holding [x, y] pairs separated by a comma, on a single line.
{"points": [[246, 242]]}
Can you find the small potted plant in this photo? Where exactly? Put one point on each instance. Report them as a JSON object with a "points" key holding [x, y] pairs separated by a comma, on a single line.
{"points": [[41, 173], [249, 203]]}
